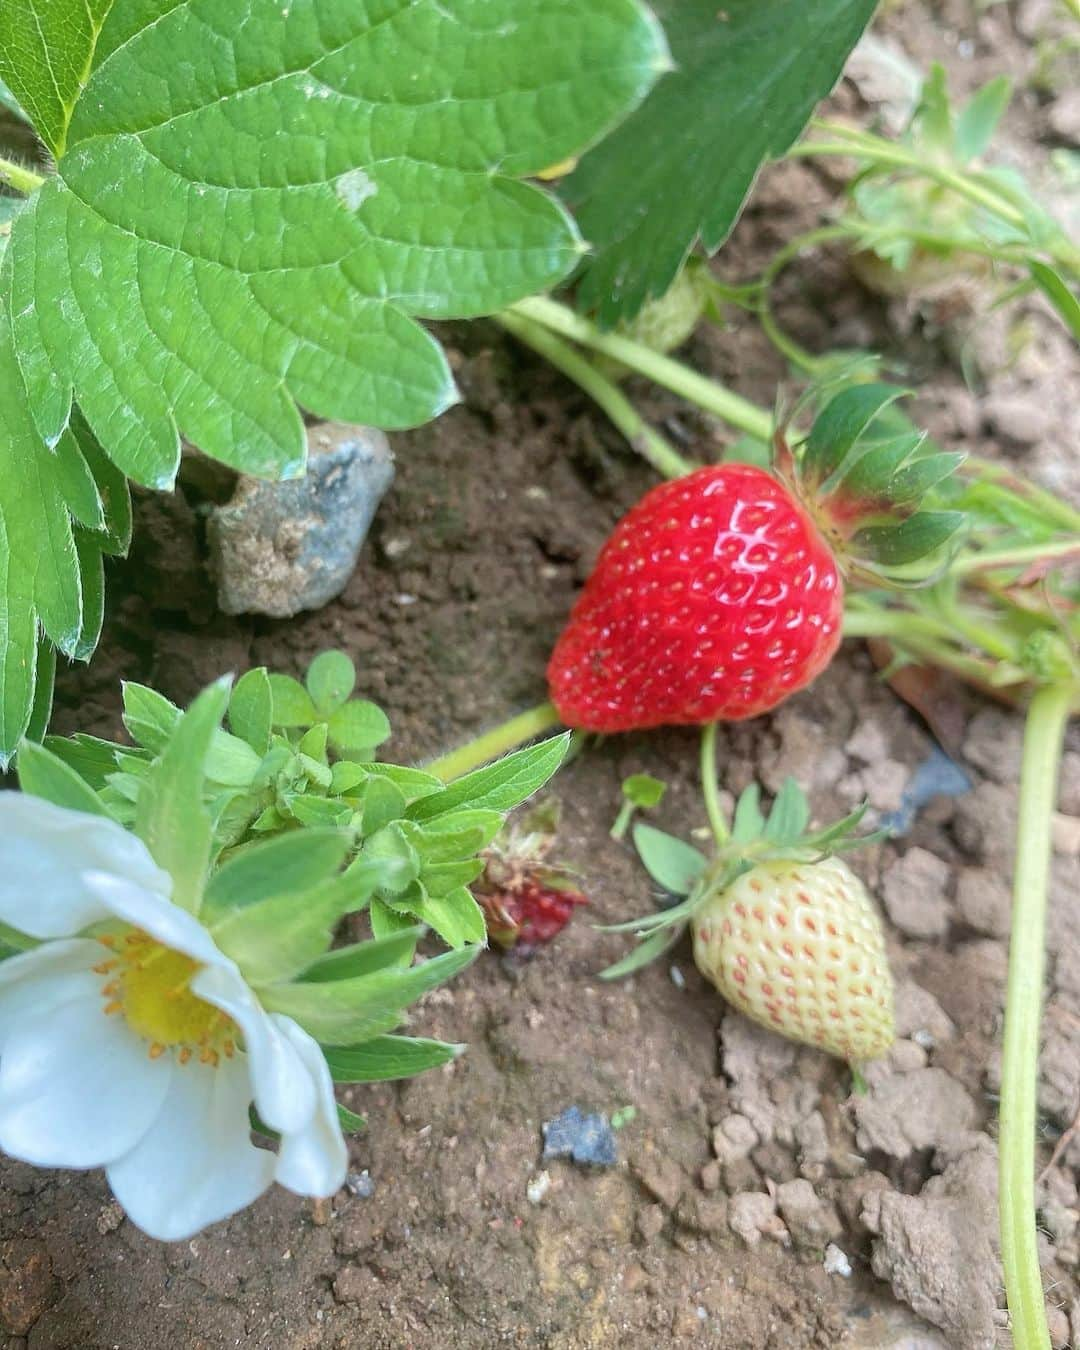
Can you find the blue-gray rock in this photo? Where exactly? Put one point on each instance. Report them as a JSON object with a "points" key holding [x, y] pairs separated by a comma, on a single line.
{"points": [[588, 1139], [279, 548]]}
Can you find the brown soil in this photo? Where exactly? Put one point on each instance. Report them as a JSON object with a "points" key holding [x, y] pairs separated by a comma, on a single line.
{"points": [[473, 563]]}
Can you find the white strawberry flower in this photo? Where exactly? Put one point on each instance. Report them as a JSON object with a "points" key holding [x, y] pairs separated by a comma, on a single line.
{"points": [[129, 1041]]}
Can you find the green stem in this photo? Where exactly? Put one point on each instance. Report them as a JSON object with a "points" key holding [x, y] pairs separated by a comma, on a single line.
{"points": [[710, 786], [927, 641], [1043, 739], [988, 559], [785, 345], [648, 443], [622, 820], [21, 179], [507, 736], [1055, 508], [673, 375]]}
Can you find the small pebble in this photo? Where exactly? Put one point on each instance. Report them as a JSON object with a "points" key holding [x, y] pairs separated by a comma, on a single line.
{"points": [[585, 1138], [678, 979], [836, 1262], [538, 1188], [360, 1184]]}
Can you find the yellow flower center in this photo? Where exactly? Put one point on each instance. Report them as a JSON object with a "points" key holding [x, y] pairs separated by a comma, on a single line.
{"points": [[150, 985]]}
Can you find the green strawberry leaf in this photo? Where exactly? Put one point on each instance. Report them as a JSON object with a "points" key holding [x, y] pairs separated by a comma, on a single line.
{"points": [[358, 726], [46, 47], [343, 1012], [499, 786], [292, 704], [746, 78], [361, 958], [251, 709], [388, 1057], [235, 283], [330, 680], [171, 818], [43, 774], [278, 938], [273, 867], [215, 250]]}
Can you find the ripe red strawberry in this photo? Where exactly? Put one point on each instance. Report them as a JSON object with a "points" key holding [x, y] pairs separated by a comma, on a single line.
{"points": [[715, 598], [798, 947]]}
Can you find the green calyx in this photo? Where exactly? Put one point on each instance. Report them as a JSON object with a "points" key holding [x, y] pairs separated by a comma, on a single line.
{"points": [[756, 837], [864, 474]]}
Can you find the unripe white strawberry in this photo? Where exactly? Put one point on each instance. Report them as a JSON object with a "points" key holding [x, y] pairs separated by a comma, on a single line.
{"points": [[799, 947]]}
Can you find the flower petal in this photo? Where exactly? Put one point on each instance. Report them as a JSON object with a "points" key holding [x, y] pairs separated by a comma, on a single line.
{"points": [[156, 915], [312, 1160], [196, 1164], [283, 1088], [45, 851], [36, 982], [77, 1088]]}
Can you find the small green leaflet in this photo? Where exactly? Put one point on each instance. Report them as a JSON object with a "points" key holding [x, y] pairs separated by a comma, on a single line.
{"points": [[677, 866], [273, 867], [343, 1012], [746, 78], [388, 1057], [499, 786], [43, 774], [172, 820], [656, 944], [330, 680]]}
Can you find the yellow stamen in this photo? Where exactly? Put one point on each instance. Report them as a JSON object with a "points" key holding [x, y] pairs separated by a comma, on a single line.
{"points": [[152, 988]]}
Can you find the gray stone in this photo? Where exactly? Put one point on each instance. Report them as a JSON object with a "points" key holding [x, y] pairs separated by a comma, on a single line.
{"points": [[752, 1215], [812, 1222], [587, 1138], [279, 548], [920, 1017], [993, 743], [906, 1112], [937, 1249], [1019, 419], [984, 900], [914, 892]]}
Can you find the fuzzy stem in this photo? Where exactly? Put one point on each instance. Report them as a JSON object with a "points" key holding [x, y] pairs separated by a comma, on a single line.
{"points": [[673, 375], [648, 443], [507, 736], [21, 179], [1043, 740], [1054, 508], [710, 786]]}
